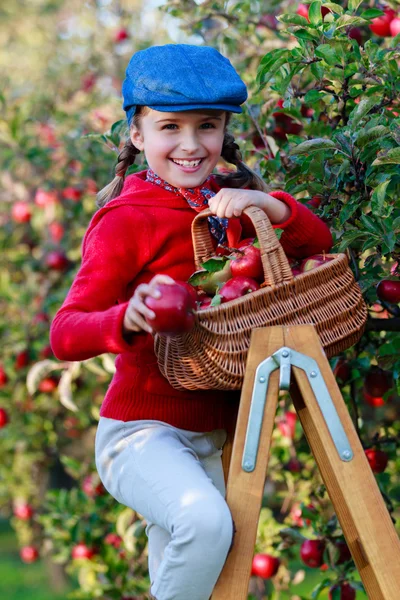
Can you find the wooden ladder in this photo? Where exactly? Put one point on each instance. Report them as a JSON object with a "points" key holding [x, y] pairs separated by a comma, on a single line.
{"points": [[275, 353]]}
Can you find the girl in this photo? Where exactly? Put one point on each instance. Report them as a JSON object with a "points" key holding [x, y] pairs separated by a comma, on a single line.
{"points": [[158, 450]]}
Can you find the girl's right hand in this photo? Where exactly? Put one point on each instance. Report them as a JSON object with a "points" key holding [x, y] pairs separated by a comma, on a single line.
{"points": [[137, 311]]}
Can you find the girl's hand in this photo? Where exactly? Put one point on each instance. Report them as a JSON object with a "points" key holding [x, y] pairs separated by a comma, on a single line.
{"points": [[137, 311], [228, 203]]}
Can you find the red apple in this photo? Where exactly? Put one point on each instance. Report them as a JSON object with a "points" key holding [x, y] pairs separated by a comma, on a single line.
{"points": [[48, 385], [315, 201], [3, 418], [265, 565], [56, 231], [303, 10], [192, 290], [29, 554], [312, 262], [72, 193], [344, 552], [342, 370], [45, 198], [121, 35], [56, 260], [21, 212], [93, 487], [347, 592], [287, 425], [388, 291], [394, 26], [247, 263], [113, 540], [173, 310], [312, 552], [246, 242], [377, 381], [381, 25], [82, 551], [22, 359], [204, 302], [293, 465], [378, 460], [23, 511], [355, 34], [374, 401], [237, 287], [3, 377]]}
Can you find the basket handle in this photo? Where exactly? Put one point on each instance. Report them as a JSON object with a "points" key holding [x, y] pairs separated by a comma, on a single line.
{"points": [[275, 263]]}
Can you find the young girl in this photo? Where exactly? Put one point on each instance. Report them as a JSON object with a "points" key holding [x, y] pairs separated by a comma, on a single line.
{"points": [[158, 450]]}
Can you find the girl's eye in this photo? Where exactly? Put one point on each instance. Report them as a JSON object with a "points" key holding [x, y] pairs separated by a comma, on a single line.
{"points": [[170, 125], [208, 125]]}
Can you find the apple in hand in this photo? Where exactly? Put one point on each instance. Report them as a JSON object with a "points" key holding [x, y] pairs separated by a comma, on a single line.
{"points": [[314, 261], [237, 287], [265, 565], [174, 310], [247, 262]]}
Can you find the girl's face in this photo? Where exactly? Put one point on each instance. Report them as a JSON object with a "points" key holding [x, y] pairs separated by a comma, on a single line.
{"points": [[181, 147]]}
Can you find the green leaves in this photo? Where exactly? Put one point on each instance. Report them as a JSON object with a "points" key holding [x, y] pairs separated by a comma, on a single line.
{"points": [[364, 136], [270, 64], [361, 110], [313, 146], [378, 198], [390, 157]]}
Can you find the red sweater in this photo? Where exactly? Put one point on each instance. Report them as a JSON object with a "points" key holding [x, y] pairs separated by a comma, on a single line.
{"points": [[145, 231]]}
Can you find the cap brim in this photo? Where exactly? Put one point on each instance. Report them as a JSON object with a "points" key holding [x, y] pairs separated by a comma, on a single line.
{"points": [[183, 107]]}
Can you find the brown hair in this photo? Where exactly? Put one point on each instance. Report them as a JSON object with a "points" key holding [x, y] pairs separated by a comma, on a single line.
{"points": [[243, 177]]}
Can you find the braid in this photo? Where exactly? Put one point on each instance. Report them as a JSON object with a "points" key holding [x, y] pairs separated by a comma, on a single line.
{"points": [[126, 158], [243, 177]]}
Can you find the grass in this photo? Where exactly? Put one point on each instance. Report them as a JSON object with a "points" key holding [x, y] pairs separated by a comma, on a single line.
{"points": [[20, 581]]}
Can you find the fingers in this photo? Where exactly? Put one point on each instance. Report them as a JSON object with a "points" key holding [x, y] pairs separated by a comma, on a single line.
{"points": [[137, 311], [228, 203]]}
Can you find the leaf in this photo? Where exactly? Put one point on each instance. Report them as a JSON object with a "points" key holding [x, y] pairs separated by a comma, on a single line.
{"points": [[363, 108], [347, 211], [328, 53], [320, 587], [378, 198], [369, 135], [213, 265], [38, 372], [348, 238], [314, 13], [390, 157], [371, 13], [346, 20], [313, 96], [354, 4], [292, 19], [216, 301], [124, 521], [305, 34], [335, 8], [65, 391], [313, 146], [108, 363], [266, 72]]}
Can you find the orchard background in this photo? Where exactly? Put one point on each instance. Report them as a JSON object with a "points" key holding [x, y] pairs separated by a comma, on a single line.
{"points": [[321, 122]]}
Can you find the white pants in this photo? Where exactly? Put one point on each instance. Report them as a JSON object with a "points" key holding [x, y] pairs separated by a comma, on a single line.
{"points": [[174, 479]]}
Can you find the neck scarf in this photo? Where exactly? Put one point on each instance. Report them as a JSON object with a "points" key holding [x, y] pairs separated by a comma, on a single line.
{"points": [[197, 198]]}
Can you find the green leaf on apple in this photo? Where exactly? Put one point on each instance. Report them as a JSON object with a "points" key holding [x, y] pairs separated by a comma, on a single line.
{"points": [[256, 243], [278, 232], [372, 13], [216, 301], [313, 146], [212, 265]]}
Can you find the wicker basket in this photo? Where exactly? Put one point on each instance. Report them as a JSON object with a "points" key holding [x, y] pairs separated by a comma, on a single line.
{"points": [[213, 354]]}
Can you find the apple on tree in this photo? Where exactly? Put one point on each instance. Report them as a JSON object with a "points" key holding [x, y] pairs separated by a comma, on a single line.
{"points": [[342, 591], [81, 550], [388, 291], [380, 26], [378, 459], [3, 418], [312, 553], [29, 554], [265, 565]]}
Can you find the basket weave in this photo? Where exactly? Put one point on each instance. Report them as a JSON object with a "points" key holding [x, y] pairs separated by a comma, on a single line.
{"points": [[213, 354]]}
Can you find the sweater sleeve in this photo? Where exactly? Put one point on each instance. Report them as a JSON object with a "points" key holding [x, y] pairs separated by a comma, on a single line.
{"points": [[303, 234], [89, 322]]}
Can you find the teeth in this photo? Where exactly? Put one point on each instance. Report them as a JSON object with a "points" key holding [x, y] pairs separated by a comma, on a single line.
{"points": [[187, 163]]}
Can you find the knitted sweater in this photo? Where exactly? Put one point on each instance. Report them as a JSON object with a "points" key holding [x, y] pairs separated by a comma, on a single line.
{"points": [[145, 231]]}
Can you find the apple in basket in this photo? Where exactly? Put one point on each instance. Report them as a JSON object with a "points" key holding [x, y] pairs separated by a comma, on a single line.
{"points": [[174, 309], [246, 261], [237, 287], [215, 272], [314, 261]]}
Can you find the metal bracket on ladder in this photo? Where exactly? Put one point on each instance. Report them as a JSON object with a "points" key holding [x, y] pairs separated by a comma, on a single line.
{"points": [[283, 359]]}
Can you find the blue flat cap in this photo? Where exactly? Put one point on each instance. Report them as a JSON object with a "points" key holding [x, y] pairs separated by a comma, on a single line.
{"points": [[177, 77]]}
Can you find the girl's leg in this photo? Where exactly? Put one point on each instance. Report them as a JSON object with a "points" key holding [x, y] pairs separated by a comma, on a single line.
{"points": [[158, 537], [156, 471]]}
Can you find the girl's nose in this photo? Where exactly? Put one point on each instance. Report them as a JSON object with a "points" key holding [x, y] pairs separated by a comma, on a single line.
{"points": [[189, 143]]}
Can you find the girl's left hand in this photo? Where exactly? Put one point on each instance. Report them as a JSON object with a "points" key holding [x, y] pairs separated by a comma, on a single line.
{"points": [[228, 202]]}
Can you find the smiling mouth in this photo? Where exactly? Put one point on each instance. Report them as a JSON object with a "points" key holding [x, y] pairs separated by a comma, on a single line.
{"points": [[187, 163]]}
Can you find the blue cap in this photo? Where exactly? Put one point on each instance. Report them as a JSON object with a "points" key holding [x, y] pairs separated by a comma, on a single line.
{"points": [[177, 77]]}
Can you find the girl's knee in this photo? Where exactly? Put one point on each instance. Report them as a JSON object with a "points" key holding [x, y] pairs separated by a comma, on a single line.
{"points": [[210, 524]]}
